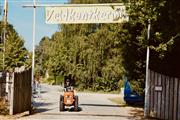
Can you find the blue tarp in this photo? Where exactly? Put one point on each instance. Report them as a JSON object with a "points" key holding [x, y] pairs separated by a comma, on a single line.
{"points": [[130, 96]]}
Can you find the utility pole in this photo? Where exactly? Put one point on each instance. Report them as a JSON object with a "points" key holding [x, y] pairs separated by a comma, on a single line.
{"points": [[4, 45], [146, 104], [4, 30], [0, 9], [33, 44]]}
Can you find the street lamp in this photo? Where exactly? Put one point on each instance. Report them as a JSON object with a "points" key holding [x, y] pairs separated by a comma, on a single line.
{"points": [[146, 104]]}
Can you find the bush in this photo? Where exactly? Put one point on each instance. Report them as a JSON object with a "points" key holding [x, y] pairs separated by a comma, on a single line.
{"points": [[50, 80], [55, 80], [138, 86], [59, 80], [3, 107]]}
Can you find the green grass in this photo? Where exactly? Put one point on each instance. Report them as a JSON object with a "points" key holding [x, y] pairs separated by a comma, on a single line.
{"points": [[119, 101], [90, 90], [51, 80], [100, 91]]}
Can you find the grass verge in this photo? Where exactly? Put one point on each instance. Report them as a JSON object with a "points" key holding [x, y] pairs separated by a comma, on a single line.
{"points": [[118, 101]]}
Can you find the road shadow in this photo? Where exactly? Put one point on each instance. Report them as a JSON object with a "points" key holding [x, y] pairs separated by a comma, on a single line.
{"points": [[136, 105], [43, 91], [33, 112], [41, 104], [39, 110], [87, 114], [102, 105], [138, 114], [71, 109]]}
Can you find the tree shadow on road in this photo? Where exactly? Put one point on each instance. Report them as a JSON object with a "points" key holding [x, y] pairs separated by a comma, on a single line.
{"points": [[40, 110], [86, 114], [33, 112], [38, 104], [37, 107], [138, 114], [103, 105]]}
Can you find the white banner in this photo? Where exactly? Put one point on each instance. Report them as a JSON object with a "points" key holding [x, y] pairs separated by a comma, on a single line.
{"points": [[83, 14]]}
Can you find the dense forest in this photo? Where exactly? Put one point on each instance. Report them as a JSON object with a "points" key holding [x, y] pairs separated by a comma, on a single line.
{"points": [[100, 56]]}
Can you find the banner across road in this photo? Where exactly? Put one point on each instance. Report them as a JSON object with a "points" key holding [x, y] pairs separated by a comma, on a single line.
{"points": [[86, 14]]}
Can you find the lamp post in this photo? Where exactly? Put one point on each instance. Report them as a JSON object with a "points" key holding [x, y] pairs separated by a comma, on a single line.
{"points": [[146, 104], [33, 42]]}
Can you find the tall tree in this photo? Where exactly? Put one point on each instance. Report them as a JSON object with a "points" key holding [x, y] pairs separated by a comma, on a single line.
{"points": [[15, 54], [99, 55]]}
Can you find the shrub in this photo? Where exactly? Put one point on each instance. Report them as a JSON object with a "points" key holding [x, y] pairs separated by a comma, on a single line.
{"points": [[3, 107]]}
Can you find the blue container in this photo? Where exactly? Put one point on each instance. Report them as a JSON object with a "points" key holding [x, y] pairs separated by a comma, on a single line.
{"points": [[131, 97]]}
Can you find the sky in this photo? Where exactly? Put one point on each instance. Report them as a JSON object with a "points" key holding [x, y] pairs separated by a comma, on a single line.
{"points": [[21, 18]]}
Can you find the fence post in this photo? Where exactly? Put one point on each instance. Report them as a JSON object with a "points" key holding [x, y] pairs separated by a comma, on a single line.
{"points": [[1, 76], [7, 86], [12, 96]]}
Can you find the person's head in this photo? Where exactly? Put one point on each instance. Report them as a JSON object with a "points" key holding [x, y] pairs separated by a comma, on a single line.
{"points": [[67, 82]]}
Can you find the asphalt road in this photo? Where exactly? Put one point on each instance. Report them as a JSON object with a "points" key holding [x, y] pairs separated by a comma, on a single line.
{"points": [[92, 106]]}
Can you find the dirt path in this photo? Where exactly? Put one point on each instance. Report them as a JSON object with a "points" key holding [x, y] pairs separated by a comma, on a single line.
{"points": [[91, 106]]}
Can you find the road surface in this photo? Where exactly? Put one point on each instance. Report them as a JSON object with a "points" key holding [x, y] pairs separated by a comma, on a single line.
{"points": [[92, 106]]}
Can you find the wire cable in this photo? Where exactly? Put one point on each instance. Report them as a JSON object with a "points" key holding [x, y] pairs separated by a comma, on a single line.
{"points": [[38, 1]]}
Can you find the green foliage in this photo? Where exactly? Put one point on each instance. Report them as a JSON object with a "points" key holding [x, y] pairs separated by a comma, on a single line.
{"points": [[54, 80], [3, 107], [59, 80], [15, 53], [98, 56], [42, 55], [164, 37], [50, 80], [90, 53]]}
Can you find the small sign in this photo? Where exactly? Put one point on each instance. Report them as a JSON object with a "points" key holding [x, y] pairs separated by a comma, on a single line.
{"points": [[1, 74], [86, 14], [158, 88]]}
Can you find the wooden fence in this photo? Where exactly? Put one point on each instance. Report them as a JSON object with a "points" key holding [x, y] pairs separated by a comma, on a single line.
{"points": [[164, 97], [21, 91], [2, 84]]}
